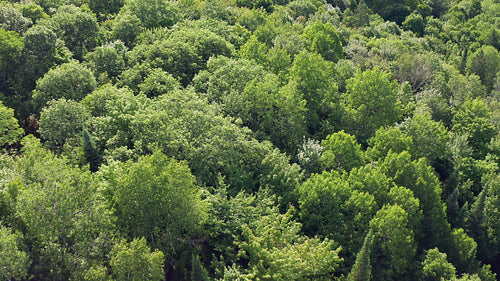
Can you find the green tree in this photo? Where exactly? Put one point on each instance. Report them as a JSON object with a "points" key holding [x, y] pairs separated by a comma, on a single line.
{"points": [[388, 139], [473, 119], [67, 223], [77, 27], [9, 127], [108, 60], [154, 13], [394, 245], [134, 261], [90, 152], [156, 198], [436, 267], [198, 272], [15, 262], [342, 152], [371, 101], [485, 63], [61, 124], [72, 81], [312, 78], [323, 39], [361, 271]]}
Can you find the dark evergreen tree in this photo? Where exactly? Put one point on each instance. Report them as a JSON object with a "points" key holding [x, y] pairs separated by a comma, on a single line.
{"points": [[452, 210], [90, 152], [198, 272], [361, 271], [475, 225]]}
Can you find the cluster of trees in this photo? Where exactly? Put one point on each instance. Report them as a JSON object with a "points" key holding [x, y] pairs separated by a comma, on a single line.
{"points": [[249, 140]]}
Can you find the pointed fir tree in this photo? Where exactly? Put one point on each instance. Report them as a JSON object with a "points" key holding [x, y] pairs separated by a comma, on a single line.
{"points": [[452, 210], [198, 272], [475, 223], [362, 270], [90, 152]]}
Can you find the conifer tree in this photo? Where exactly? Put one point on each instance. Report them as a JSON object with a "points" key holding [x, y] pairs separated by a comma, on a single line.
{"points": [[475, 223], [198, 272], [90, 152], [361, 271], [452, 210]]}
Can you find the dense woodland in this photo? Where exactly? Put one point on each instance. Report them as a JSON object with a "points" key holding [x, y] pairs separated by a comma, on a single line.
{"points": [[250, 140]]}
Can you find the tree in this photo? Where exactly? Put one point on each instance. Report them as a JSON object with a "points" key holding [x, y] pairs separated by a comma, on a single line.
{"points": [[361, 271], [90, 152], [312, 78], [134, 261], [323, 39], [156, 198], [485, 63], [388, 139], [475, 223], [394, 246], [9, 127], [61, 124], [275, 250], [77, 27], [72, 81], [11, 19], [342, 152], [154, 13], [436, 267], [473, 119], [198, 272], [371, 102], [108, 60], [67, 224], [14, 261]]}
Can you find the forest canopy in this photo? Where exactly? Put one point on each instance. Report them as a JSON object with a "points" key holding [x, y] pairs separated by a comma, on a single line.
{"points": [[250, 140]]}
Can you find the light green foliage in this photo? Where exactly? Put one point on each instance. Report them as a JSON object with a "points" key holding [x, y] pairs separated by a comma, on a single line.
{"points": [[330, 207], [225, 76], [108, 60], [10, 47], [309, 156], [77, 27], [371, 179], [342, 152], [436, 267], [157, 83], [11, 19], [313, 78], [472, 119], [63, 212], [9, 128], [209, 142], [429, 137], [112, 112], [324, 40], [464, 249], [155, 198], [183, 53], [254, 50], [154, 13], [371, 101], [394, 245], [388, 139], [126, 27], [134, 261], [72, 81], [14, 261], [281, 177], [61, 124], [276, 251]]}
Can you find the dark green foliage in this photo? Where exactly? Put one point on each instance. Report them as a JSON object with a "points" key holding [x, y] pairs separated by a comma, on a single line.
{"points": [[90, 152], [452, 208], [198, 272], [475, 222]]}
